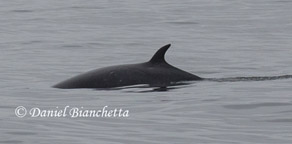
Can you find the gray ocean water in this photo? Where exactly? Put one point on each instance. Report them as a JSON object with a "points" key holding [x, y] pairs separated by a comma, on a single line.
{"points": [[44, 42]]}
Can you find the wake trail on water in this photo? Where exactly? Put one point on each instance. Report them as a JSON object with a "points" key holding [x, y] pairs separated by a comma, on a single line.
{"points": [[253, 78]]}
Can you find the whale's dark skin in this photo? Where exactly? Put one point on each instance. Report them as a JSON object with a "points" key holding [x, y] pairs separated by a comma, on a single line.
{"points": [[156, 72]]}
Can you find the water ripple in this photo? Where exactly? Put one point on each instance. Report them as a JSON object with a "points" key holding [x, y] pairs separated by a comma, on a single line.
{"points": [[256, 105]]}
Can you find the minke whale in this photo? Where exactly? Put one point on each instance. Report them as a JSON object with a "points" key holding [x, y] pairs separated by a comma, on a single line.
{"points": [[155, 73]]}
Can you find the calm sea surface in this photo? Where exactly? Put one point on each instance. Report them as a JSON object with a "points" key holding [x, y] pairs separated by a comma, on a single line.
{"points": [[43, 42]]}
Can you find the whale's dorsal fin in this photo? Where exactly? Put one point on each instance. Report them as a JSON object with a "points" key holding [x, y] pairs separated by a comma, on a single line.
{"points": [[159, 55]]}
